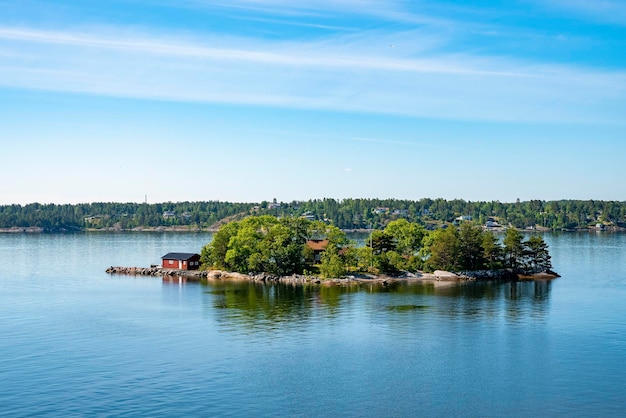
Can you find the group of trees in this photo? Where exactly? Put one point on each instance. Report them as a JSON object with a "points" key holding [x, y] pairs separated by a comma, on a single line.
{"points": [[344, 214], [52, 217], [270, 245], [278, 246], [365, 213], [469, 247]]}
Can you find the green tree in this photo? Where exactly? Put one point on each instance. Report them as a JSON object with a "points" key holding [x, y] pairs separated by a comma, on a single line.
{"points": [[214, 253], [381, 242], [514, 250], [332, 264], [407, 236], [470, 247], [492, 251], [364, 258], [539, 258], [443, 249]]}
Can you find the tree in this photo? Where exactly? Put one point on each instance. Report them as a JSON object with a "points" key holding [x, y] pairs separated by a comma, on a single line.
{"points": [[492, 251], [538, 255], [406, 235], [470, 247], [513, 248], [214, 253], [382, 242], [332, 265], [382, 245], [442, 248], [276, 246]]}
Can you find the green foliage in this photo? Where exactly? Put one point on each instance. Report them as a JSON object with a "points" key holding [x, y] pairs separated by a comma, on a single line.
{"points": [[396, 248], [344, 214], [407, 236], [513, 249], [443, 249], [468, 247], [332, 265], [258, 244], [364, 259], [267, 244], [275, 246], [537, 255], [471, 253], [382, 242], [53, 217], [492, 252]]}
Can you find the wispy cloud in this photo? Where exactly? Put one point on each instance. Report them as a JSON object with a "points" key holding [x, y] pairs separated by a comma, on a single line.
{"points": [[308, 7], [385, 141], [347, 72], [601, 11]]}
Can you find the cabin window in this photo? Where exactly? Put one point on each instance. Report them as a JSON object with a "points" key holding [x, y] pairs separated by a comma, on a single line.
{"points": [[171, 261]]}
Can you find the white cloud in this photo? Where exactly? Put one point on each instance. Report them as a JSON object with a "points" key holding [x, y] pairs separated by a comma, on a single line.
{"points": [[602, 11], [346, 73]]}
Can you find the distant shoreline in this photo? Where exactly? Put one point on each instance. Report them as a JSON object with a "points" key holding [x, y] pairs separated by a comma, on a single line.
{"points": [[40, 230], [182, 229]]}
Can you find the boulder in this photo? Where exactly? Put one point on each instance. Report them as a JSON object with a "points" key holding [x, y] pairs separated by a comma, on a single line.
{"points": [[447, 276]]}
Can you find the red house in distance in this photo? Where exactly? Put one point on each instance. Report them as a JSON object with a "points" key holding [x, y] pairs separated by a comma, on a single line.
{"points": [[181, 261]]}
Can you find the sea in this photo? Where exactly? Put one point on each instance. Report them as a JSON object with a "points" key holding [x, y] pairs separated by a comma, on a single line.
{"points": [[77, 342]]}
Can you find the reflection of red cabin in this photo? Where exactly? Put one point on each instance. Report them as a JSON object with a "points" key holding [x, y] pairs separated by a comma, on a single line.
{"points": [[318, 246], [181, 261]]}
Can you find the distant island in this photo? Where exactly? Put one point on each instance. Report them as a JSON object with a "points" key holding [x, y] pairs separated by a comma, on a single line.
{"points": [[267, 246], [346, 214]]}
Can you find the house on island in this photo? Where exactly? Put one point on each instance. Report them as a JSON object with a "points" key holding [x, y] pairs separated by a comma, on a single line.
{"points": [[318, 246], [181, 261], [492, 223]]}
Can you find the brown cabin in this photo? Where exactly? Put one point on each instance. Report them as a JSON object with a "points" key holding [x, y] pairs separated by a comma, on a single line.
{"points": [[181, 261], [318, 246]]}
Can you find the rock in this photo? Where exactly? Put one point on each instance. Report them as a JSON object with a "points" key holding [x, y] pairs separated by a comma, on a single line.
{"points": [[447, 276]]}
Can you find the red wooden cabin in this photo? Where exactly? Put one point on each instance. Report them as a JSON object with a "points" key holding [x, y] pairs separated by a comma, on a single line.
{"points": [[181, 261]]}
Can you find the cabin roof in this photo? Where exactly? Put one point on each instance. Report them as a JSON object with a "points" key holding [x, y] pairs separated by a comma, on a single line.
{"points": [[317, 244], [179, 256]]}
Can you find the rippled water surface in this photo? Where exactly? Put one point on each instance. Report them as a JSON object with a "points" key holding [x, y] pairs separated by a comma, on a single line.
{"points": [[76, 341]]}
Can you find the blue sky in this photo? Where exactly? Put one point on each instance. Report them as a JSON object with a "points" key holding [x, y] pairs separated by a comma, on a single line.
{"points": [[249, 100]]}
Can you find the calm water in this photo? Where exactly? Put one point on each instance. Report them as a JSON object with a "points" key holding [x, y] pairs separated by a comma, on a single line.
{"points": [[78, 342]]}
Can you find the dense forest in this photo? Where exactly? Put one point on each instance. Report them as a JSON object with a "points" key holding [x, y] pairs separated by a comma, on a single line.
{"points": [[344, 214], [120, 216], [283, 247]]}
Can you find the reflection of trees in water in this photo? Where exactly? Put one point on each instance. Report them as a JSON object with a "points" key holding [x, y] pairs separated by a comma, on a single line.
{"points": [[527, 298], [272, 305], [514, 300]]}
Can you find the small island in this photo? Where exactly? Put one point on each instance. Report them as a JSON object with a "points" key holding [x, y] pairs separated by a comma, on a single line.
{"points": [[298, 250]]}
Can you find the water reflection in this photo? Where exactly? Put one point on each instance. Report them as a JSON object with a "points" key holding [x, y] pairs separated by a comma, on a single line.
{"points": [[260, 306]]}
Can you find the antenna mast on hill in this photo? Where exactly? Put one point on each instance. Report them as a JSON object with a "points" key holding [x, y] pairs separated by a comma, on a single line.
{"points": [[146, 200]]}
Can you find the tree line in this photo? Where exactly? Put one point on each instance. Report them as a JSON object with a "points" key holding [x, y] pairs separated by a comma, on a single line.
{"points": [[124, 216], [343, 214], [536, 214], [267, 244]]}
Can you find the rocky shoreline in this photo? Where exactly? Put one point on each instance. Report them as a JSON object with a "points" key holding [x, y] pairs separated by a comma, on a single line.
{"points": [[200, 275], [437, 276]]}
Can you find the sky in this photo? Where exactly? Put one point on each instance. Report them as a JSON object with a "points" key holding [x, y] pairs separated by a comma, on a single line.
{"points": [[251, 100]]}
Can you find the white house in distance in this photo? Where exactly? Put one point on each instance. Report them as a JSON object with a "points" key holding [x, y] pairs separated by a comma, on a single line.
{"points": [[492, 223]]}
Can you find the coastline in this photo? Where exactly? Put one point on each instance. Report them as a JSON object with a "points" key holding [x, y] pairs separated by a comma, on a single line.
{"points": [[438, 276], [211, 229]]}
